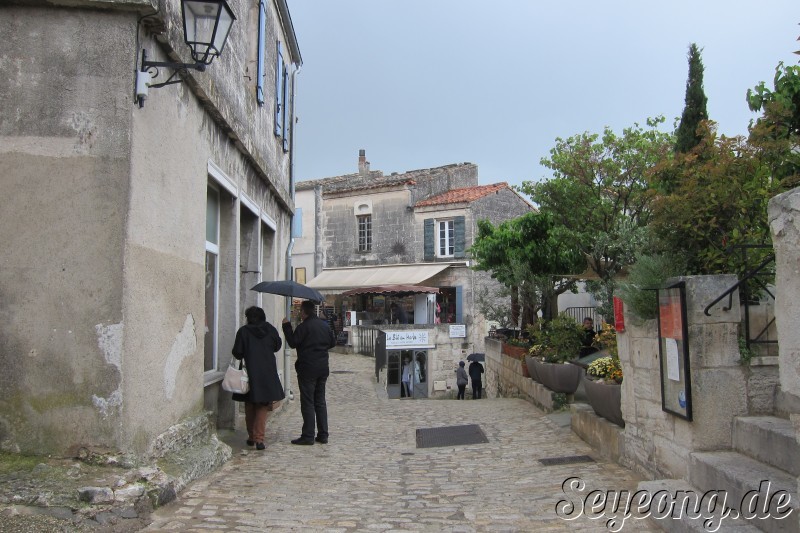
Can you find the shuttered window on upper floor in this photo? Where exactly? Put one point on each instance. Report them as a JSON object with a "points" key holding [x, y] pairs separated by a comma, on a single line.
{"points": [[262, 52], [444, 238]]}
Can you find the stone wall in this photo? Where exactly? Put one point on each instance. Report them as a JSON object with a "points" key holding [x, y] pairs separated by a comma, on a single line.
{"points": [[505, 379], [658, 443]]}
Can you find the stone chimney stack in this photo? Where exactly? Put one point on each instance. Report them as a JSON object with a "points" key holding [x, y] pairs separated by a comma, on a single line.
{"points": [[363, 164]]}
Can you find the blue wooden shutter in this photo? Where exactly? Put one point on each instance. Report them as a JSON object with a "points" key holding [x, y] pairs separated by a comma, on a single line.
{"points": [[459, 236], [459, 305], [262, 42], [279, 91], [429, 236], [285, 113], [297, 223]]}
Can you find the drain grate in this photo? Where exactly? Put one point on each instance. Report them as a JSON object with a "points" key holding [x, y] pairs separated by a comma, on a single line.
{"points": [[450, 436], [342, 372], [566, 460]]}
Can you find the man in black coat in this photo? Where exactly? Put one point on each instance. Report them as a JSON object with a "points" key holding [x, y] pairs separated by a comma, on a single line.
{"points": [[475, 371], [256, 342], [312, 339]]}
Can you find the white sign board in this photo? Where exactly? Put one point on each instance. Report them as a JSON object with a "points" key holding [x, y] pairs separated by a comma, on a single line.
{"points": [[406, 338], [458, 330], [673, 365]]}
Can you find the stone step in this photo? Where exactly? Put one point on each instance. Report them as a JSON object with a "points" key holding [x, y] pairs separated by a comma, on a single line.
{"points": [[768, 439], [708, 519], [744, 479]]}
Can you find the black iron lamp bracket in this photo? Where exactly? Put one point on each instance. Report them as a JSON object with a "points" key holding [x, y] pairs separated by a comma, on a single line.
{"points": [[147, 65]]}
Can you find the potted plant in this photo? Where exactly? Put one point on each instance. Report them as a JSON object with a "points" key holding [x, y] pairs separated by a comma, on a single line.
{"points": [[557, 342], [604, 377], [516, 348]]}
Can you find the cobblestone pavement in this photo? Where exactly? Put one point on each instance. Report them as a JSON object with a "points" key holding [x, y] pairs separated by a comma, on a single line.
{"points": [[371, 476]]}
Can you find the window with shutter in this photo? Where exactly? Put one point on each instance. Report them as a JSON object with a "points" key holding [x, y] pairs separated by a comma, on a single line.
{"points": [[279, 103], [285, 112], [262, 42], [429, 237], [459, 237]]}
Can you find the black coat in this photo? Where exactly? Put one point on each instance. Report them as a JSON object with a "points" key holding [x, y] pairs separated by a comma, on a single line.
{"points": [[312, 339], [257, 344], [475, 371]]}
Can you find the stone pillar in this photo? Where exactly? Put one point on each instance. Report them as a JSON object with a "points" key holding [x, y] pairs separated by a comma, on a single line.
{"points": [[658, 443], [784, 220]]}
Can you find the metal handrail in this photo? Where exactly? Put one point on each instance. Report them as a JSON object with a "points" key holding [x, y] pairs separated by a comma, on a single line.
{"points": [[729, 293]]}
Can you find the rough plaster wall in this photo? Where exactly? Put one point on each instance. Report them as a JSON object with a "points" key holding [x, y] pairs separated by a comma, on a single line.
{"points": [[784, 218], [435, 181], [392, 230], [61, 219], [230, 84]]}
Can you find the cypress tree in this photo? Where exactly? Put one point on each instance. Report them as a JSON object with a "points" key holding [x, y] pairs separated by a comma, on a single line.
{"points": [[694, 110]]}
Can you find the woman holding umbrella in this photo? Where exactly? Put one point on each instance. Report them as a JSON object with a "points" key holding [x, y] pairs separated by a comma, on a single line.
{"points": [[256, 342]]}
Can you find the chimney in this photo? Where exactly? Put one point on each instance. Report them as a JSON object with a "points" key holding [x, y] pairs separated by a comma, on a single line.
{"points": [[363, 164]]}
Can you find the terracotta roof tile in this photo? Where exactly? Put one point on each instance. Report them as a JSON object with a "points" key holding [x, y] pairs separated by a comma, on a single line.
{"points": [[465, 195]]}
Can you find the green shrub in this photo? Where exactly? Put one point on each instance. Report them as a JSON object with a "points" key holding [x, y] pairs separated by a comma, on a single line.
{"points": [[648, 272]]}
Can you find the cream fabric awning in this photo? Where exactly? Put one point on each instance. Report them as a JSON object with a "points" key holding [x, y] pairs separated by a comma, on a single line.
{"points": [[342, 279]]}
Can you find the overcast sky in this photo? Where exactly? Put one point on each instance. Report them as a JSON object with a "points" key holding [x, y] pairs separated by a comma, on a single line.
{"points": [[426, 83]]}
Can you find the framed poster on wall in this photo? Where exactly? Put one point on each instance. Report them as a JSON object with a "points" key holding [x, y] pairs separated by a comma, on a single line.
{"points": [[673, 350]]}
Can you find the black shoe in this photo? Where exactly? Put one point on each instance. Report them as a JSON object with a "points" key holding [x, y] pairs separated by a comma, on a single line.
{"points": [[260, 446], [322, 440], [250, 442], [303, 442]]}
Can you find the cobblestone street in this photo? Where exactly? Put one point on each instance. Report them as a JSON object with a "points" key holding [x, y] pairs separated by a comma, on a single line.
{"points": [[372, 477]]}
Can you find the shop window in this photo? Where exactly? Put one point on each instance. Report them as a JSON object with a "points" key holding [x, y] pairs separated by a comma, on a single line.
{"points": [[211, 280]]}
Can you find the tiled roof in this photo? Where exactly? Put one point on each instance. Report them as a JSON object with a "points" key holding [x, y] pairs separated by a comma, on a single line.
{"points": [[465, 195]]}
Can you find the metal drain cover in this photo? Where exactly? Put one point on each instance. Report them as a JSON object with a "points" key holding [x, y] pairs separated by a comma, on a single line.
{"points": [[342, 372], [566, 460], [450, 436]]}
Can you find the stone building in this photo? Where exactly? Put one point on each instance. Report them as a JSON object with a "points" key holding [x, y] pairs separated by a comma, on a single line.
{"points": [[133, 228], [415, 227]]}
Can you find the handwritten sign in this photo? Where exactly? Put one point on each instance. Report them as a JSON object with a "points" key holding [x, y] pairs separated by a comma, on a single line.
{"points": [[458, 330], [406, 338]]}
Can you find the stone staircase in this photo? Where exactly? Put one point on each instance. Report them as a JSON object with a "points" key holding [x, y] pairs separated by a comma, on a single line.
{"points": [[764, 461]]}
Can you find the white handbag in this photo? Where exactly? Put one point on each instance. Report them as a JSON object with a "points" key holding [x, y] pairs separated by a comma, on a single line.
{"points": [[236, 379]]}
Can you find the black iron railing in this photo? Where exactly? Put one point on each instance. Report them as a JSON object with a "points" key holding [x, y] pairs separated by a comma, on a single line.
{"points": [[758, 278], [579, 313]]}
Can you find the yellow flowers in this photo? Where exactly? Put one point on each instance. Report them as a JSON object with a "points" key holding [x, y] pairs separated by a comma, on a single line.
{"points": [[607, 368]]}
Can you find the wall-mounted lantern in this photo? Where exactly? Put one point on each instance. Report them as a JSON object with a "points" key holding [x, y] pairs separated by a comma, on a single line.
{"points": [[206, 26]]}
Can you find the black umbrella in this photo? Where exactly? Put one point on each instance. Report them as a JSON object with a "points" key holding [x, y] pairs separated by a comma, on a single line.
{"points": [[291, 288], [480, 357]]}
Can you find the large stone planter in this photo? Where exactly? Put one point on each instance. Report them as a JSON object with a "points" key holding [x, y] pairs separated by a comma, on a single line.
{"points": [[559, 377], [605, 398], [517, 352], [532, 368]]}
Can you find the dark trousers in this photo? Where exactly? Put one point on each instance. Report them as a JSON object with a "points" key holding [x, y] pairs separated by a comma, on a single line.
{"points": [[404, 392], [313, 406], [476, 389], [461, 389]]}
